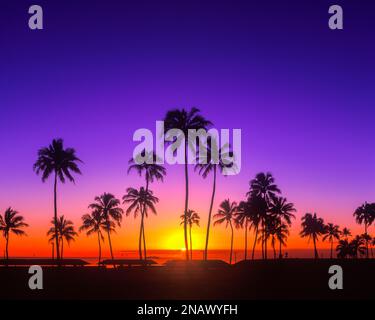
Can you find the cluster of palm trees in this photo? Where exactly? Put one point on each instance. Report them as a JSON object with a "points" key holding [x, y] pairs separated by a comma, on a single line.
{"points": [[314, 227], [264, 211]]}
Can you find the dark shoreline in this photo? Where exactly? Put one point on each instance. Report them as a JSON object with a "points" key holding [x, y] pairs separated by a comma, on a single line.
{"points": [[263, 280]]}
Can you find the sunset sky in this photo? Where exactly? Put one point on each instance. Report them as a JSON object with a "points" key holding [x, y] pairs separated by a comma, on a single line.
{"points": [[302, 94]]}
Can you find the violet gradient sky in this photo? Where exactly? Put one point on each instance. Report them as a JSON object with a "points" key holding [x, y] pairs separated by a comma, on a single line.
{"points": [[302, 94]]}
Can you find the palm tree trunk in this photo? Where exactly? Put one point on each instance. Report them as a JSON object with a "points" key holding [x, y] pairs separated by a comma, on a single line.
{"points": [[110, 242], [191, 243], [144, 241], [274, 250], [245, 239], [53, 251], [186, 201], [255, 242], [231, 243], [262, 238], [265, 245], [55, 216], [7, 246], [210, 214], [140, 237], [100, 248], [143, 225], [315, 251], [331, 248], [62, 249], [280, 253], [366, 241]]}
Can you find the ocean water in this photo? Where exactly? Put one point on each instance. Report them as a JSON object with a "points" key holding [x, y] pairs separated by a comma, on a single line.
{"points": [[162, 256]]}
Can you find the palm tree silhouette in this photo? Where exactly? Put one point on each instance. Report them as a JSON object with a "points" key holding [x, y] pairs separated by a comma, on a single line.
{"points": [[343, 249], [95, 223], [281, 232], [11, 222], [226, 213], [258, 211], [346, 233], [60, 162], [140, 202], [65, 230], [216, 159], [192, 219], [185, 120], [264, 186], [367, 239], [312, 227], [332, 232], [109, 207], [357, 247], [244, 219], [146, 163], [365, 214]]}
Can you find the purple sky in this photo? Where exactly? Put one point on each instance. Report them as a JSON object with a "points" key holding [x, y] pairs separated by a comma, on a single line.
{"points": [[302, 94]]}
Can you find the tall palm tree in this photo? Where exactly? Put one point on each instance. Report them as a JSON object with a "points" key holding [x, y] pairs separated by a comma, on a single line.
{"points": [[65, 230], [263, 185], [258, 212], [332, 232], [109, 207], [146, 164], [346, 233], [192, 219], [226, 213], [312, 227], [281, 231], [60, 162], [11, 222], [365, 214], [367, 239], [184, 120], [216, 159], [244, 219], [140, 201], [95, 223]]}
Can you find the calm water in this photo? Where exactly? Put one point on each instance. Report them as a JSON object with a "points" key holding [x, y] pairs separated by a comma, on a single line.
{"points": [[161, 256]]}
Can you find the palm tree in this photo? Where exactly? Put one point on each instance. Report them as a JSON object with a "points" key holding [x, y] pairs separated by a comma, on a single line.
{"points": [[60, 162], [367, 239], [65, 230], [283, 209], [226, 213], [312, 227], [343, 249], [95, 223], [357, 246], [243, 219], [216, 159], [365, 214], [332, 232], [346, 233], [11, 222], [258, 212], [264, 186], [185, 120], [281, 232], [146, 163], [109, 207], [192, 219], [140, 202]]}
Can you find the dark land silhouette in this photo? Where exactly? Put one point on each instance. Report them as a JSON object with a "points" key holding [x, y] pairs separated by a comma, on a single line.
{"points": [[212, 280]]}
